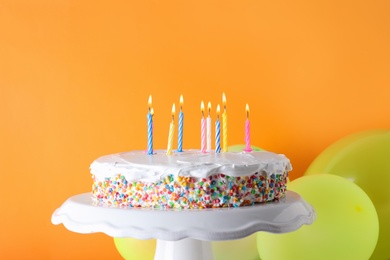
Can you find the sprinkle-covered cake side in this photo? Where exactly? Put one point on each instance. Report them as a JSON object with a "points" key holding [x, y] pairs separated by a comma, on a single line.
{"points": [[189, 179]]}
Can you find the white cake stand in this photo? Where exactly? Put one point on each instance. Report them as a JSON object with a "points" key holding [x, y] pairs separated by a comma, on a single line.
{"points": [[184, 234]]}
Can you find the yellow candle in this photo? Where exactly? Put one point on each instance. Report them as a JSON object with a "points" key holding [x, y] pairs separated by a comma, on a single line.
{"points": [[171, 132], [224, 125]]}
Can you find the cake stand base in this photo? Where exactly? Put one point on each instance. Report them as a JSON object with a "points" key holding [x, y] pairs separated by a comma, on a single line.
{"points": [[189, 249], [184, 234]]}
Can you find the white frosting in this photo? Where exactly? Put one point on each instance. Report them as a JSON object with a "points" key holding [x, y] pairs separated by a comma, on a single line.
{"points": [[139, 166]]}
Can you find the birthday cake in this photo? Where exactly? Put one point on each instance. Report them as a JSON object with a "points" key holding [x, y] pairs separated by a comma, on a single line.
{"points": [[189, 179]]}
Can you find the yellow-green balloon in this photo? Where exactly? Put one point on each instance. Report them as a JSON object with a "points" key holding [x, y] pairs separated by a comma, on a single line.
{"points": [[134, 249], [363, 158], [346, 226], [243, 249]]}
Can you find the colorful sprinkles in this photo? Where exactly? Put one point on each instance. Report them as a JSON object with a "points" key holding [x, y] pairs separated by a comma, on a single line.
{"points": [[180, 192]]}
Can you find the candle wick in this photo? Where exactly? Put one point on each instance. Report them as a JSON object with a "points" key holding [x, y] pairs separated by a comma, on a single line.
{"points": [[202, 113]]}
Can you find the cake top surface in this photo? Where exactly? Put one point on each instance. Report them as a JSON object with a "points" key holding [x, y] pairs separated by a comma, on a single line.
{"points": [[139, 166]]}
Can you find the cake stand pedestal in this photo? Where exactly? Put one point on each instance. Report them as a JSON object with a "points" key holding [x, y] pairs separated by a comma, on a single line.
{"points": [[184, 234]]}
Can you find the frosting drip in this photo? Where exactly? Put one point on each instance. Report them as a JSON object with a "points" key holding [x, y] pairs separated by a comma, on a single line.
{"points": [[138, 166]]}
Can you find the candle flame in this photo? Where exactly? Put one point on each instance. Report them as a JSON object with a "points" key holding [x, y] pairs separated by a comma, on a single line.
{"points": [[150, 101], [173, 111], [181, 101], [247, 110], [152, 111], [218, 110], [202, 107], [209, 107], [224, 100]]}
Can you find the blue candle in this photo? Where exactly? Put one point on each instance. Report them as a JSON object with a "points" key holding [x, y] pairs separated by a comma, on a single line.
{"points": [[217, 133], [180, 129], [149, 117]]}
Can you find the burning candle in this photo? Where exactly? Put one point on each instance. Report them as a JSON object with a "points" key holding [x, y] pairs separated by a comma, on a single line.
{"points": [[180, 133], [208, 123], [217, 133], [202, 130], [247, 131], [149, 118], [171, 132], [224, 125], [152, 112]]}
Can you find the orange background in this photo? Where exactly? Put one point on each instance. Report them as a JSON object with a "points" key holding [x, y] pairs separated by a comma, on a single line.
{"points": [[75, 77]]}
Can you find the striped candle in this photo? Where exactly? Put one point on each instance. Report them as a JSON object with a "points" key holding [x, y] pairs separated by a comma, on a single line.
{"points": [[171, 132], [202, 130], [217, 133], [208, 128], [180, 132], [149, 118], [247, 132], [224, 125]]}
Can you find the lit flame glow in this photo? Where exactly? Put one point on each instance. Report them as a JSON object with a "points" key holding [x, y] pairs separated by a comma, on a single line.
{"points": [[224, 100], [173, 110], [181, 101], [150, 101]]}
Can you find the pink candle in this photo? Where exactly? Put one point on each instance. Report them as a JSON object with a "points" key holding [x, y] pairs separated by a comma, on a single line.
{"points": [[203, 143], [208, 129], [247, 132]]}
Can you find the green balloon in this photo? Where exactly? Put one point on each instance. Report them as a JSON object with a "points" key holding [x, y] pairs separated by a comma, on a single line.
{"points": [[363, 158], [240, 148], [244, 248], [132, 249], [346, 226]]}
